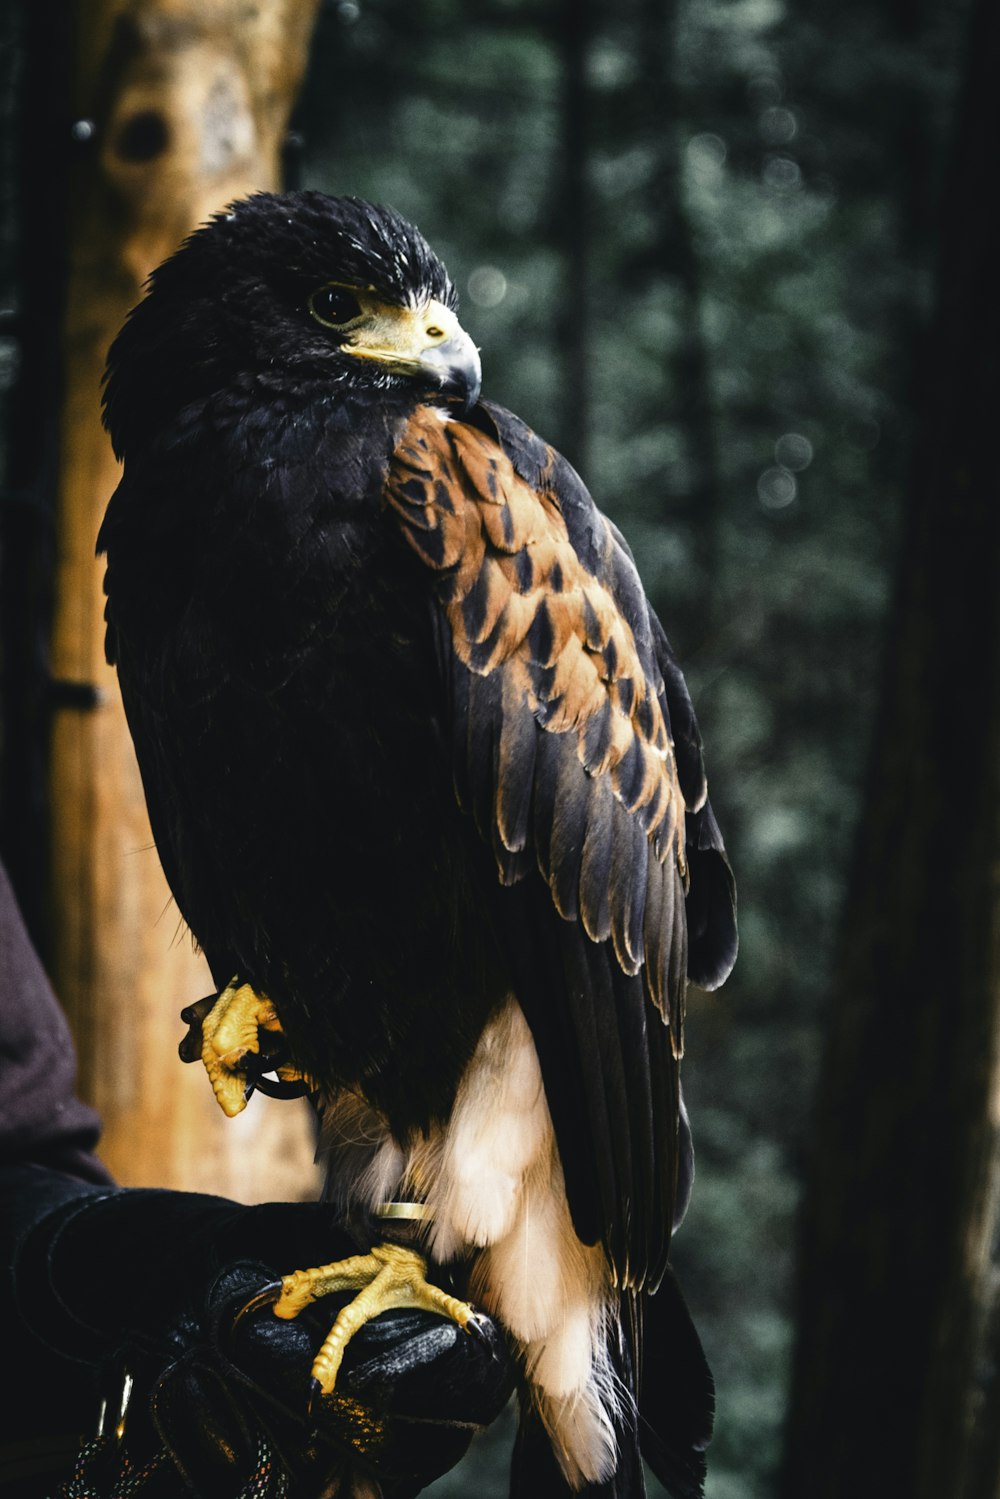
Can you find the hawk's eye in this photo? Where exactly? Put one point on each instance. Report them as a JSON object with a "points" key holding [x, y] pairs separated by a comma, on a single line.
{"points": [[334, 306]]}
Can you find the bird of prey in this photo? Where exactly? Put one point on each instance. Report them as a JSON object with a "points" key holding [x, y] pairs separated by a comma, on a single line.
{"points": [[427, 786]]}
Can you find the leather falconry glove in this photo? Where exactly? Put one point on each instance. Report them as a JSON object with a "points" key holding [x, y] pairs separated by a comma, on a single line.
{"points": [[171, 1294]]}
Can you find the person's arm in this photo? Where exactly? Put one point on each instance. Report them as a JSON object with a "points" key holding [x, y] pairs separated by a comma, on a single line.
{"points": [[47, 1140], [41, 1118]]}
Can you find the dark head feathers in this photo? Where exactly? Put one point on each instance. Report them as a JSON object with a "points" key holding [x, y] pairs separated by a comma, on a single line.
{"points": [[230, 306], [314, 238]]}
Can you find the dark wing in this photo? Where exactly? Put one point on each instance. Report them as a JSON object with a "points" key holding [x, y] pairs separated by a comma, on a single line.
{"points": [[154, 732], [562, 691]]}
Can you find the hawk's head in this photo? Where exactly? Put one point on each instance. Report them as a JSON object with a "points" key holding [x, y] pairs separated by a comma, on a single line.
{"points": [[285, 298]]}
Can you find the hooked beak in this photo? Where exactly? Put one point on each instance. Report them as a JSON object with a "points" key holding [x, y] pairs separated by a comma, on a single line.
{"points": [[428, 342], [455, 364]]}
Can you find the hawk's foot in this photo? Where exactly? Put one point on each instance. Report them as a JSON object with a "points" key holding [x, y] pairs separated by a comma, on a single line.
{"points": [[388, 1278], [238, 1045]]}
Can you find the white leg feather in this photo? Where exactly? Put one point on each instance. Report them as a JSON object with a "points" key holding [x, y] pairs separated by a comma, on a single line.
{"points": [[494, 1183], [496, 1135], [501, 1188]]}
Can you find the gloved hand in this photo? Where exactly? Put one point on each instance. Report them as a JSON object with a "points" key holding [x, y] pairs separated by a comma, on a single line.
{"points": [[178, 1288]]}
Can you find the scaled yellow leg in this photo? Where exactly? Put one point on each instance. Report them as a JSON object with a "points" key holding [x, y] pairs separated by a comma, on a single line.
{"points": [[229, 1031]]}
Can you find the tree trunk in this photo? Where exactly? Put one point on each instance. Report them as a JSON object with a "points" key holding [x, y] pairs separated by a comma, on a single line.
{"points": [[675, 259], [573, 231], [895, 1381], [38, 37], [184, 104]]}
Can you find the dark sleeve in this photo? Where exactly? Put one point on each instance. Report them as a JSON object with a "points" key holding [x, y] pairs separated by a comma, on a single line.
{"points": [[41, 1118]]}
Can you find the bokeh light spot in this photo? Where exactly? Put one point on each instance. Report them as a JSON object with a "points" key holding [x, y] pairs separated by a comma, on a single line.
{"points": [[782, 174], [765, 89], [778, 126], [793, 451], [487, 286], [706, 154], [776, 488]]}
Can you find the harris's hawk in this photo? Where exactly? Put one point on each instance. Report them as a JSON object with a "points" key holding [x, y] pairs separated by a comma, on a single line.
{"points": [[427, 786]]}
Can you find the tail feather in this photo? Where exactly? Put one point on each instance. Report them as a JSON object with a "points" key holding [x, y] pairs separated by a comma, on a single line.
{"points": [[673, 1426], [676, 1393], [535, 1473], [535, 1470]]}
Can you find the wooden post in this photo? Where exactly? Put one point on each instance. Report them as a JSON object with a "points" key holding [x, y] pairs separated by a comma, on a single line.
{"points": [[185, 104]]}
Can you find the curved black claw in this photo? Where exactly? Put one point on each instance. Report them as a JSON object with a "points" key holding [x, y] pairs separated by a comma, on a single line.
{"points": [[274, 1053], [480, 1327], [192, 1015]]}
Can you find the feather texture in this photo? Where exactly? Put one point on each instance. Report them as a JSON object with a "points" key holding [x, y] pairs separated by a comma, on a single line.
{"points": [[576, 713]]}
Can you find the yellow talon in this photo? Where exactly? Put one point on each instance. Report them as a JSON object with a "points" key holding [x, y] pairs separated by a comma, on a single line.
{"points": [[388, 1278], [229, 1032]]}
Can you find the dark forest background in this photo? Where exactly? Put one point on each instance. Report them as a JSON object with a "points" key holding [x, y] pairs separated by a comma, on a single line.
{"points": [[697, 241]]}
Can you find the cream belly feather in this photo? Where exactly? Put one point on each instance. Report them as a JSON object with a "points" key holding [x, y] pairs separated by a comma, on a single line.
{"points": [[494, 1187]]}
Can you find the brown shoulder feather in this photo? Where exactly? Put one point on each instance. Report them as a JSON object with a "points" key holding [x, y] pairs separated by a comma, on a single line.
{"points": [[525, 610]]}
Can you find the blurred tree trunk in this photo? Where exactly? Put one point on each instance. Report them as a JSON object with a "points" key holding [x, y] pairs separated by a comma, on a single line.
{"points": [[895, 1387], [35, 123], [184, 106], [674, 258], [573, 229]]}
